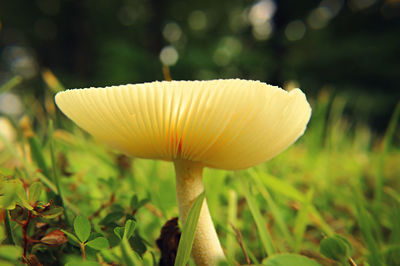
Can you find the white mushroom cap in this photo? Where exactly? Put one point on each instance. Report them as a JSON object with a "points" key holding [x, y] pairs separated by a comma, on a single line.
{"points": [[227, 124]]}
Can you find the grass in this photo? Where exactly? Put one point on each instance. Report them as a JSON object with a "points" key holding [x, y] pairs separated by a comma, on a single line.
{"points": [[339, 178]]}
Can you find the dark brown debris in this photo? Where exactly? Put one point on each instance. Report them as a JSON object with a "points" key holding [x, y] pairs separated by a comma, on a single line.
{"points": [[168, 242]]}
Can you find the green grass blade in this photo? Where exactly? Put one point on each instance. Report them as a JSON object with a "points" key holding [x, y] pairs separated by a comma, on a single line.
{"points": [[387, 141], [391, 130], [285, 189], [10, 84], [301, 221], [232, 214], [273, 207], [12, 149], [9, 232], [252, 257], [366, 226], [56, 178], [37, 154], [188, 232], [281, 186], [261, 223]]}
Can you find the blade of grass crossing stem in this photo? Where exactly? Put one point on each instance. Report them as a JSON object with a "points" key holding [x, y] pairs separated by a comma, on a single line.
{"points": [[273, 208], [232, 213], [56, 178], [261, 223], [301, 221], [365, 223], [188, 232]]}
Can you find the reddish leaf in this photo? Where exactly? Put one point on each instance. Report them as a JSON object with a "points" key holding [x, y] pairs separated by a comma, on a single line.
{"points": [[54, 238], [34, 261]]}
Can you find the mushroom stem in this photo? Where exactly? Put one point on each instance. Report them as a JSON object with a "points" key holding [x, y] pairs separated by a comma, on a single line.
{"points": [[206, 248]]}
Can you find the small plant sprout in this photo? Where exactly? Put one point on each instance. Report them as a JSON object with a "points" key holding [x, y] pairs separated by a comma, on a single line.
{"points": [[226, 124]]}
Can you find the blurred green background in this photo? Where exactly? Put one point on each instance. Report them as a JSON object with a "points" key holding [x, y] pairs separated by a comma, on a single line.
{"points": [[351, 48], [344, 172]]}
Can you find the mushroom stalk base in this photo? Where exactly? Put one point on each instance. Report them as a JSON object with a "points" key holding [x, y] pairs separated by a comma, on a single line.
{"points": [[206, 248]]}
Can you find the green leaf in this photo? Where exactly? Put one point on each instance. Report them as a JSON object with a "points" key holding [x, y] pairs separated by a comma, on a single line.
{"points": [[73, 261], [52, 213], [10, 252], [110, 256], [258, 218], [136, 204], [336, 248], [6, 263], [24, 200], [98, 243], [119, 231], [82, 228], [129, 257], [142, 203], [71, 238], [112, 217], [189, 229], [289, 259], [117, 208], [129, 229], [9, 193], [134, 201], [139, 244], [34, 192], [126, 231]]}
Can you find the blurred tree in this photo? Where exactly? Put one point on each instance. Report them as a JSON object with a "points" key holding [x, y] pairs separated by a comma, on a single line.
{"points": [[350, 46]]}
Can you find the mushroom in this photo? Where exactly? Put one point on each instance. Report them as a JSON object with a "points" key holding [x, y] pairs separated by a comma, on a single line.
{"points": [[226, 124]]}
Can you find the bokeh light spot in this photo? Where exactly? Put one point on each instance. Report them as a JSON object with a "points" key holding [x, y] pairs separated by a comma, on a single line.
{"points": [[356, 5], [172, 32], [197, 20], [263, 31], [238, 19], [10, 104], [261, 12], [20, 61], [295, 30], [318, 18], [6, 130], [169, 56], [228, 48], [291, 85]]}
